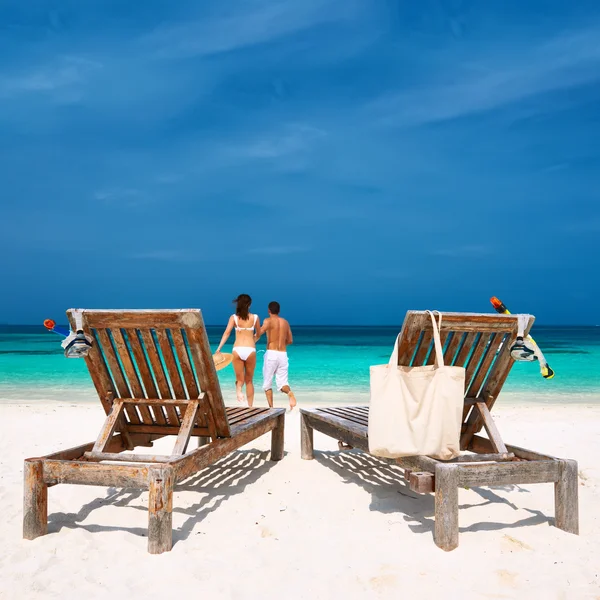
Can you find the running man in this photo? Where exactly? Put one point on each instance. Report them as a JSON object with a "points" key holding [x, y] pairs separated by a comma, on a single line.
{"points": [[279, 337]]}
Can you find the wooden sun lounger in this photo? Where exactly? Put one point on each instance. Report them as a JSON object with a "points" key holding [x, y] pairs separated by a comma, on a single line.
{"points": [[155, 376], [480, 343]]}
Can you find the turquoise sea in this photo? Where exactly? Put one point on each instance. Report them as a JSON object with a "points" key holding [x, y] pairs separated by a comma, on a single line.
{"points": [[327, 364]]}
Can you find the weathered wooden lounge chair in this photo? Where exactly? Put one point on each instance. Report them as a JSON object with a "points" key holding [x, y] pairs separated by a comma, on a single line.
{"points": [[481, 343], [155, 377]]}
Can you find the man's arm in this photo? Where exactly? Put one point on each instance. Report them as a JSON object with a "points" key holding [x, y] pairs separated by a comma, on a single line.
{"points": [[290, 339]]}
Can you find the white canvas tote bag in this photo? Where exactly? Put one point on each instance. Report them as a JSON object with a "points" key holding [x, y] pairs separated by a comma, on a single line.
{"points": [[416, 410]]}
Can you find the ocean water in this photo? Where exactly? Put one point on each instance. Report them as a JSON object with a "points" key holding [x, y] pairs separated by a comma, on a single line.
{"points": [[327, 364]]}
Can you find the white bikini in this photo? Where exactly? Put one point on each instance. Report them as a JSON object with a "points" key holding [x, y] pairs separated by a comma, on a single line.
{"points": [[244, 351]]}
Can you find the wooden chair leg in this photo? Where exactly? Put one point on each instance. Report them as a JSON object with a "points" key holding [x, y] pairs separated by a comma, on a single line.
{"points": [[566, 502], [160, 510], [446, 507], [35, 500], [306, 439], [277, 439]]}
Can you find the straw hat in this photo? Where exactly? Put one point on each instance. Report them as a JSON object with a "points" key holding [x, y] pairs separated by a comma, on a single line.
{"points": [[221, 360]]}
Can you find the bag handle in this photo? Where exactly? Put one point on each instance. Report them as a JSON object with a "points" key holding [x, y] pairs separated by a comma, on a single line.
{"points": [[394, 357], [439, 351]]}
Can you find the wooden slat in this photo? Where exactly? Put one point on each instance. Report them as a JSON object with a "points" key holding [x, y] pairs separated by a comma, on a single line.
{"points": [[159, 374], [476, 357], [249, 412], [128, 457], [409, 336], [139, 319], [490, 427], [155, 362], [187, 422], [431, 358], [478, 322], [171, 364], [110, 425], [489, 357], [338, 429], [113, 363], [145, 371], [521, 472], [158, 401], [465, 349], [207, 415], [207, 375], [450, 351], [357, 411], [424, 345], [111, 358], [96, 367], [481, 444], [208, 454], [90, 473], [166, 430], [132, 379], [184, 363], [342, 414], [492, 457]]}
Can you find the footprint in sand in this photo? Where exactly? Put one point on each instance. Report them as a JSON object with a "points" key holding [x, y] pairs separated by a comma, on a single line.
{"points": [[507, 577], [515, 544], [265, 532], [385, 579]]}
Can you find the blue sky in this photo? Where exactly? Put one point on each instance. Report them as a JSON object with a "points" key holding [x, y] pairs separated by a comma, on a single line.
{"points": [[349, 158]]}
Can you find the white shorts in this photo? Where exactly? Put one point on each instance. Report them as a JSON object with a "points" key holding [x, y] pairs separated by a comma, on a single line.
{"points": [[276, 363]]}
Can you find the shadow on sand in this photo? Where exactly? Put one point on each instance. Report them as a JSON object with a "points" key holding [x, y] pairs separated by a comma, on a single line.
{"points": [[391, 495], [215, 484]]}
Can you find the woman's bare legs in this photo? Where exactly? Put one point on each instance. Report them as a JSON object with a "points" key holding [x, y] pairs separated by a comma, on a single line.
{"points": [[238, 367], [249, 378]]}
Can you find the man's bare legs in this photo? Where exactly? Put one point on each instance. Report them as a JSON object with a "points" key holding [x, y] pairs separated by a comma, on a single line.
{"points": [[249, 378], [269, 394], [288, 391]]}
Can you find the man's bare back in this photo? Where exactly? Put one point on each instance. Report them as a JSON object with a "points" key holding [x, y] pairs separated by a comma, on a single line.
{"points": [[279, 333]]}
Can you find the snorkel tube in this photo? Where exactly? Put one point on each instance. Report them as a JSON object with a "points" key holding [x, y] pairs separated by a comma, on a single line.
{"points": [[76, 343], [50, 325], [524, 348]]}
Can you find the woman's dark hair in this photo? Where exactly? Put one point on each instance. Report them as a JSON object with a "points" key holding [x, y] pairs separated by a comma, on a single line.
{"points": [[242, 306]]}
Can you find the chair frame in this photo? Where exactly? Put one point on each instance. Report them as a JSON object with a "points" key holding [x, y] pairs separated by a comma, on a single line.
{"points": [[481, 343], [149, 353]]}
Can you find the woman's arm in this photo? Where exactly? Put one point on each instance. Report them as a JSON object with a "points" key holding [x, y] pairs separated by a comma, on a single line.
{"points": [[225, 335], [257, 331], [261, 330]]}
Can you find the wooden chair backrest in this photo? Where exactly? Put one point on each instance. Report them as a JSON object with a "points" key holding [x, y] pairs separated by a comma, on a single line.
{"points": [[153, 354], [478, 342]]}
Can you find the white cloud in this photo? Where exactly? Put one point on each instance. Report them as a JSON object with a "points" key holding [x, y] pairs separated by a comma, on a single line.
{"points": [[291, 139], [60, 74], [472, 251], [278, 250], [569, 60], [238, 27]]}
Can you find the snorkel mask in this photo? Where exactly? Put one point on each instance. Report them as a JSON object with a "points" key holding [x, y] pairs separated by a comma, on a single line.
{"points": [[525, 349], [77, 344]]}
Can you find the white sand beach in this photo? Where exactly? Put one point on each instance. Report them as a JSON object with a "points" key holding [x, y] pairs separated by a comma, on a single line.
{"points": [[340, 526]]}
